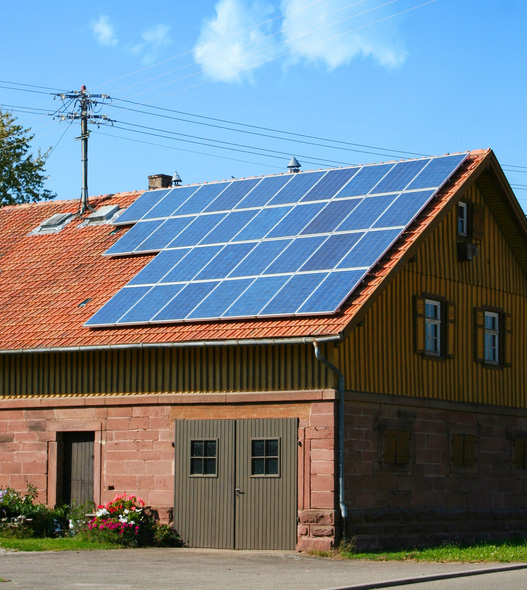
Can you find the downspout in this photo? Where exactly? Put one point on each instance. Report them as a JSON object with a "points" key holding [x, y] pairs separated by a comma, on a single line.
{"points": [[338, 373]]}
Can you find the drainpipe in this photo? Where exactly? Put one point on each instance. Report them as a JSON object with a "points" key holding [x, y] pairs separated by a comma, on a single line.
{"points": [[338, 373]]}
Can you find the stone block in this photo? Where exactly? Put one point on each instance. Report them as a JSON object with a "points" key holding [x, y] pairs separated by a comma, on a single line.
{"points": [[317, 517], [322, 531]]}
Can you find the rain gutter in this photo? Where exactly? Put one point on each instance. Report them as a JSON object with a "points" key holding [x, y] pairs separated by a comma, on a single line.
{"points": [[338, 373], [185, 344]]}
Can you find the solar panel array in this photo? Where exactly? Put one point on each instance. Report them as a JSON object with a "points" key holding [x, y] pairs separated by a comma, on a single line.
{"points": [[289, 245]]}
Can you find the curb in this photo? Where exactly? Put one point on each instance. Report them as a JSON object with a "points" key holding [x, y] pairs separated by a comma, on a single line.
{"points": [[431, 578]]}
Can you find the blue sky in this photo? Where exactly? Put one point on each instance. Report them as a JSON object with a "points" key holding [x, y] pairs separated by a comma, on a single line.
{"points": [[358, 81]]}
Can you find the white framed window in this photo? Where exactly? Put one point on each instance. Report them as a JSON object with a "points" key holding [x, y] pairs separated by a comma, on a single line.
{"points": [[462, 219], [492, 337], [433, 327]]}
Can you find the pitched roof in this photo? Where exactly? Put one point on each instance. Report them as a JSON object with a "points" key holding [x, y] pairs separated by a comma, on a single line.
{"points": [[51, 284]]}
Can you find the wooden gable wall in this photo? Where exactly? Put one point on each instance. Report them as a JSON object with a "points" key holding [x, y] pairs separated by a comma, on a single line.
{"points": [[380, 355]]}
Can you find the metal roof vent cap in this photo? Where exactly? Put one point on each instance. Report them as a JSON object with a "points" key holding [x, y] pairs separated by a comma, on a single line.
{"points": [[294, 165], [176, 179]]}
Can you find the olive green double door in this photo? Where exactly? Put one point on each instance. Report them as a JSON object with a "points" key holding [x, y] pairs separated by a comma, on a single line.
{"points": [[236, 483]]}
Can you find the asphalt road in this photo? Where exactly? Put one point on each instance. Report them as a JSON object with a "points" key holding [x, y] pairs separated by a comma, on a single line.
{"points": [[169, 569]]}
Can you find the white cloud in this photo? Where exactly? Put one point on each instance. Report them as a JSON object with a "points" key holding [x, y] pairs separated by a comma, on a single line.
{"points": [[153, 41], [234, 43], [338, 31], [104, 31]]}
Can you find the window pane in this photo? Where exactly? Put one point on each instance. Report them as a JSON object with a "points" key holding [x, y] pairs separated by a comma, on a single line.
{"points": [[271, 448], [196, 448], [271, 466], [258, 467], [210, 466], [196, 467], [210, 448], [258, 448]]}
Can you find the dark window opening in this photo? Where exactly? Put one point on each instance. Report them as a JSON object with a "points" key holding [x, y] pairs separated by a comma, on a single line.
{"points": [[203, 457], [265, 457], [464, 450], [397, 447]]}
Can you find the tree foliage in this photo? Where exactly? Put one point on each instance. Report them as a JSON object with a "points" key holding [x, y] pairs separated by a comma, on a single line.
{"points": [[22, 175]]}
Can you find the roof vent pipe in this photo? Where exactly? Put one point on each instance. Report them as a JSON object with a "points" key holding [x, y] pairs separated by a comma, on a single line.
{"points": [[176, 180], [294, 165]]}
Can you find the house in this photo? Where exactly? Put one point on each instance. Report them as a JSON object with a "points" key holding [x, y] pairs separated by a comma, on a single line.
{"points": [[377, 392]]}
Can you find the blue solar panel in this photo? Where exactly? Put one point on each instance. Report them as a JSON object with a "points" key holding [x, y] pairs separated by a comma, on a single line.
{"points": [[117, 306], [437, 171], [369, 249], [157, 268], [295, 221], [191, 264], [400, 176], [262, 224], [185, 301], [293, 294], [201, 199], [260, 258], [403, 209], [197, 230], [284, 245], [251, 302], [232, 195], [217, 302], [150, 304], [366, 213], [140, 207], [331, 216], [225, 262], [294, 256], [333, 290], [133, 238], [170, 202], [227, 229], [264, 192], [364, 181], [164, 234], [333, 250], [330, 184], [294, 191]]}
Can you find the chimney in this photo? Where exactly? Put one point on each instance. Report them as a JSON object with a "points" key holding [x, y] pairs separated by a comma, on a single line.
{"points": [[157, 181]]}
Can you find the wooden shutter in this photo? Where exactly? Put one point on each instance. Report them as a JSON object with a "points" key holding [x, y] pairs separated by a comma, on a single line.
{"points": [[507, 339], [478, 221], [457, 450], [479, 335], [469, 450], [390, 446], [450, 339], [419, 323], [403, 447]]}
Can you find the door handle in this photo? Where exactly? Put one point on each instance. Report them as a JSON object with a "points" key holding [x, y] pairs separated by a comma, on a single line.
{"points": [[238, 492]]}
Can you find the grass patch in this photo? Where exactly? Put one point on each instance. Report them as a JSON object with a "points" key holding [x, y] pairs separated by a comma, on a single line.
{"points": [[58, 544], [501, 552]]}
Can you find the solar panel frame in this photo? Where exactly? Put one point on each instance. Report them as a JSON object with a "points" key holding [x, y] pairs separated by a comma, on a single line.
{"points": [[252, 270]]}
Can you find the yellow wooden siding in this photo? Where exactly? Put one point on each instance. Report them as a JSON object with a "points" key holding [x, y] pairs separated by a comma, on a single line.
{"points": [[163, 370], [380, 356]]}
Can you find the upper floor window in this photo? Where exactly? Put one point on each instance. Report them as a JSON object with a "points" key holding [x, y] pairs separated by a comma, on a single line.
{"points": [[491, 337], [433, 327], [462, 219]]}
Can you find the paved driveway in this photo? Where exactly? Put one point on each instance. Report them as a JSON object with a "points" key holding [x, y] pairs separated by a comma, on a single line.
{"points": [[169, 569]]}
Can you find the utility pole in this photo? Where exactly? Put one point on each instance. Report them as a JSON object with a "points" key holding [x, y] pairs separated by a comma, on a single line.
{"points": [[83, 104]]}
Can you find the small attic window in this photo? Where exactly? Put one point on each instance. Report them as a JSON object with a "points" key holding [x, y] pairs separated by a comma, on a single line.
{"points": [[54, 224], [85, 302], [103, 215]]}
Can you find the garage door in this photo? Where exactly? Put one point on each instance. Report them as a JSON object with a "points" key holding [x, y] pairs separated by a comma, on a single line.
{"points": [[236, 483]]}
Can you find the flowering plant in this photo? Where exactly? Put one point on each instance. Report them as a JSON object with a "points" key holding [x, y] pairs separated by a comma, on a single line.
{"points": [[124, 520]]}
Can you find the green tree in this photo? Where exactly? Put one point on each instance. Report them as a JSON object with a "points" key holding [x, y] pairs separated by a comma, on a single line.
{"points": [[22, 175]]}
